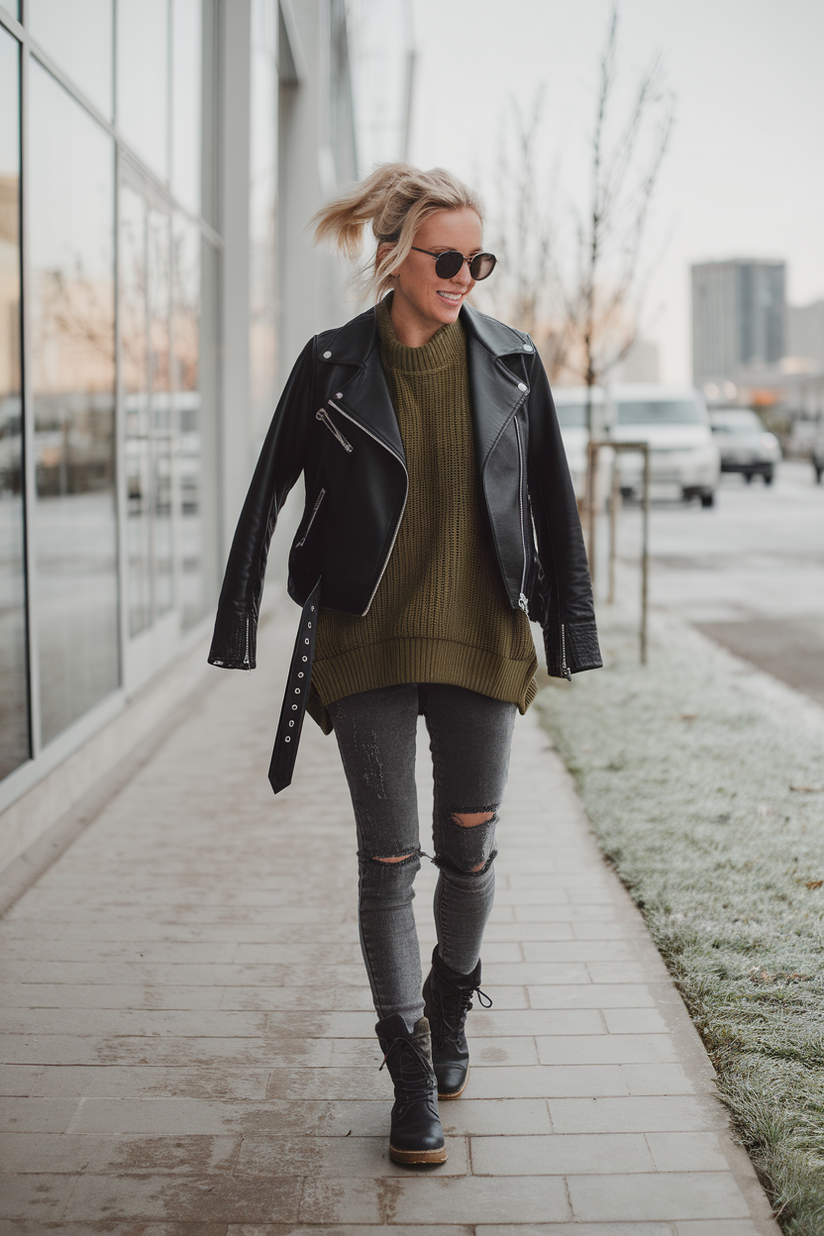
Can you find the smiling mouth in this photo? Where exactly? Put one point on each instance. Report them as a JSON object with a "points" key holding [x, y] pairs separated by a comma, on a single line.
{"points": [[453, 297]]}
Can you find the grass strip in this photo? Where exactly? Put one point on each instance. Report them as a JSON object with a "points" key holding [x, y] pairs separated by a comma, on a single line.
{"points": [[705, 786]]}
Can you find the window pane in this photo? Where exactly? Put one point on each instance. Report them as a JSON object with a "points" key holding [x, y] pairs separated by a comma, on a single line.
{"points": [[187, 60], [14, 702], [143, 79], [78, 37], [263, 214], [134, 349], [72, 261], [159, 299]]}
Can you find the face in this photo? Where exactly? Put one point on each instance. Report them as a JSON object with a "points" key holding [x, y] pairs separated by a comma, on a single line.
{"points": [[422, 302]]}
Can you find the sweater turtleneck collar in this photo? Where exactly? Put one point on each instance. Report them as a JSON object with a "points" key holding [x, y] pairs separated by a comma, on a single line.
{"points": [[445, 347]]}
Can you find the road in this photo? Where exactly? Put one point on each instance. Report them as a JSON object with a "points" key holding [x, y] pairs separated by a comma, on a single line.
{"points": [[749, 572]]}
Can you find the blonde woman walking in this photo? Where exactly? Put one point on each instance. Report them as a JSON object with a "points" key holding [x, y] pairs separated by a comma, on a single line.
{"points": [[439, 519]]}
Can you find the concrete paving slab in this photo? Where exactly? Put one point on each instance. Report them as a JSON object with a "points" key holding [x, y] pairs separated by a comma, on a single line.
{"points": [[187, 1031]]}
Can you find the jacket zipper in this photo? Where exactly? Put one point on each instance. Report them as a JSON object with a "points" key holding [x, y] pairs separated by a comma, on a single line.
{"points": [[403, 508], [564, 667], [315, 510], [246, 644], [323, 415], [522, 601]]}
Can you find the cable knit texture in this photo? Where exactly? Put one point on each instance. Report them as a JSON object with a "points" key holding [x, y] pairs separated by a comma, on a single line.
{"points": [[440, 613]]}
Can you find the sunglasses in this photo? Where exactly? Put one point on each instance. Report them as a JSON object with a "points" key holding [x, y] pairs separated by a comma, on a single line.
{"points": [[448, 264]]}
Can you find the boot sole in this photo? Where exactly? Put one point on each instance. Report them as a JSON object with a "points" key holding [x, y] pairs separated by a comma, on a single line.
{"points": [[417, 1156], [455, 1094]]}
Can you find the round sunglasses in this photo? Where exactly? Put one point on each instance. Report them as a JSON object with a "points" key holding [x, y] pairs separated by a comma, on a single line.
{"points": [[449, 263]]}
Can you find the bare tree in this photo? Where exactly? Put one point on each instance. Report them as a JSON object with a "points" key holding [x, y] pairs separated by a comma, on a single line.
{"points": [[522, 234]]}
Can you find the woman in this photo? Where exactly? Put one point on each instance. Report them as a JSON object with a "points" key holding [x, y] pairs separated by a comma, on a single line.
{"points": [[439, 518]]}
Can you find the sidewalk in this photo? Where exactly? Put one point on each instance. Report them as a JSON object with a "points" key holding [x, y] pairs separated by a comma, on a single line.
{"points": [[188, 1039]]}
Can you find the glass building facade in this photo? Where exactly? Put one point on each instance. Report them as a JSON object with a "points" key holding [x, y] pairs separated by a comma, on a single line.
{"points": [[109, 454], [159, 161]]}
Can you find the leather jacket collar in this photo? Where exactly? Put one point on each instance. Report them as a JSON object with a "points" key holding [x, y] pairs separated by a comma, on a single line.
{"points": [[495, 391]]}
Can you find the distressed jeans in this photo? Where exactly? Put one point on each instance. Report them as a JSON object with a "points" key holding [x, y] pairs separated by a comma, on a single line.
{"points": [[470, 738]]}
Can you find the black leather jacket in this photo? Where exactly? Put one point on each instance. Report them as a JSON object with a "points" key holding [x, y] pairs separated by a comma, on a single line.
{"points": [[335, 424]]}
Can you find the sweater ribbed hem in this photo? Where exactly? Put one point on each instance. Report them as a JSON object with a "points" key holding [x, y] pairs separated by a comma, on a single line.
{"points": [[419, 660]]}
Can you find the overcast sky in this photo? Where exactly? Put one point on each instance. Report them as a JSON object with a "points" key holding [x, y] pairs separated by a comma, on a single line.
{"points": [[744, 175]]}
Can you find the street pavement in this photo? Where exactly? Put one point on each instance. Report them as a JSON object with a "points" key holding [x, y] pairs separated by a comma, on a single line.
{"points": [[188, 1042], [749, 572]]}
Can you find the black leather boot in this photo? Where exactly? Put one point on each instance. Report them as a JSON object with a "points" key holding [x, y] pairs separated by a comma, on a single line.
{"points": [[447, 1000], [415, 1135]]}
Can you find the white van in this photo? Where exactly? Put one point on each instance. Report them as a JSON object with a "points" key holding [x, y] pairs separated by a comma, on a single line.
{"points": [[673, 421]]}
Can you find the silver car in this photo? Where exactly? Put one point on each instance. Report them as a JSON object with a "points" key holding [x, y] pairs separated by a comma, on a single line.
{"points": [[745, 444]]}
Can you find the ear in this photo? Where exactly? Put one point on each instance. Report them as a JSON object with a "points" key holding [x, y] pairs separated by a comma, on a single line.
{"points": [[384, 248]]}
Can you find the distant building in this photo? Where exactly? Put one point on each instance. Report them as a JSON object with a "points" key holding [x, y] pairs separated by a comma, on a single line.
{"points": [[805, 336], [738, 318]]}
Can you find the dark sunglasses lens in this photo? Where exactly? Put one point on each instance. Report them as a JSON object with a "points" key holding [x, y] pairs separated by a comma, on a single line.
{"points": [[482, 265], [448, 264]]}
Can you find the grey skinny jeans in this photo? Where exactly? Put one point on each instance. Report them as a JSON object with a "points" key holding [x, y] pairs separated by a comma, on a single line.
{"points": [[470, 738]]}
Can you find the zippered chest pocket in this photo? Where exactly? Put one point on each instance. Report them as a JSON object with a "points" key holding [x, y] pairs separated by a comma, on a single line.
{"points": [[323, 416], [312, 518]]}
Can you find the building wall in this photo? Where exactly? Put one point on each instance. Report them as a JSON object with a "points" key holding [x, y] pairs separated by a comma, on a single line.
{"points": [[164, 157], [738, 309]]}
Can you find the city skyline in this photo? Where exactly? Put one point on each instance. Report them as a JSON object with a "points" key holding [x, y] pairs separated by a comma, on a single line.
{"points": [[740, 179]]}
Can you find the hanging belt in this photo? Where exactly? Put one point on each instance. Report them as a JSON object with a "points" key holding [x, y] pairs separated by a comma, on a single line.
{"points": [[293, 710]]}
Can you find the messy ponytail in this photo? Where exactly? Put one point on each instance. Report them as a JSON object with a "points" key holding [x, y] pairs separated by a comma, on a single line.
{"points": [[395, 199]]}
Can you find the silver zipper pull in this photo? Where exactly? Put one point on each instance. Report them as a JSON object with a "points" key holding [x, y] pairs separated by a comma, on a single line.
{"points": [[523, 603], [323, 415]]}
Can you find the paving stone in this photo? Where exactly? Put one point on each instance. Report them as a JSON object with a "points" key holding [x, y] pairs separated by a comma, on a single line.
{"points": [[18, 1080], [687, 1152], [213, 1198], [338, 1157], [663, 1195], [429, 1198], [592, 1153], [636, 1114], [575, 1229], [606, 1049], [494, 1116], [635, 1021], [146, 1081], [27, 1115], [36, 1196], [75, 1153], [592, 996]]}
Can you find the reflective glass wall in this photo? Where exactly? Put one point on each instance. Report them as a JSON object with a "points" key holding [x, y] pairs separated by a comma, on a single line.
{"points": [[72, 253], [108, 450], [14, 703]]}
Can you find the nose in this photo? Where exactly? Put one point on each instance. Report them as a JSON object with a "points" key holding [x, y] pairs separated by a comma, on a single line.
{"points": [[463, 277]]}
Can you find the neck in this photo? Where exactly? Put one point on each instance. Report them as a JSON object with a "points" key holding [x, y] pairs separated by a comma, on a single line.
{"points": [[409, 331]]}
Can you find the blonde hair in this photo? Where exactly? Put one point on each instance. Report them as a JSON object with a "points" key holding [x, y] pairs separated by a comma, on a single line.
{"points": [[395, 199]]}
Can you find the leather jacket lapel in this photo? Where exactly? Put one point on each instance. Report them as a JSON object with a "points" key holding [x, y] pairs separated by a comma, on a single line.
{"points": [[363, 396]]}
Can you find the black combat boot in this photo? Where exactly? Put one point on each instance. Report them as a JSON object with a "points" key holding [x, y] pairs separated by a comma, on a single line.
{"points": [[415, 1135], [447, 1000]]}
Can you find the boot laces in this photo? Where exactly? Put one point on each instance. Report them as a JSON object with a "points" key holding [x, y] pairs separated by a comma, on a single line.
{"points": [[454, 1004], [415, 1074]]}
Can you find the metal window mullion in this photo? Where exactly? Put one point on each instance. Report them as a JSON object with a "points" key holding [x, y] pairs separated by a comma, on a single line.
{"points": [[121, 471], [29, 461]]}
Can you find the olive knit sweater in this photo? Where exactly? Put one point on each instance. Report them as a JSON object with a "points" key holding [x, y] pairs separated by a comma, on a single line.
{"points": [[440, 613]]}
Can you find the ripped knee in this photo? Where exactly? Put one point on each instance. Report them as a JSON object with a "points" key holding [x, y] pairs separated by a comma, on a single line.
{"points": [[467, 848], [395, 858], [471, 819]]}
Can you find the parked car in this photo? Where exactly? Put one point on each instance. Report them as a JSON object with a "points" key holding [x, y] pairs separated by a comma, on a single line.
{"points": [[571, 406], [674, 423], [745, 444]]}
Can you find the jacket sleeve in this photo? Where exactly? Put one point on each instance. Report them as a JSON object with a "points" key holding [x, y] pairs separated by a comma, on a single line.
{"points": [[279, 465], [564, 589]]}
